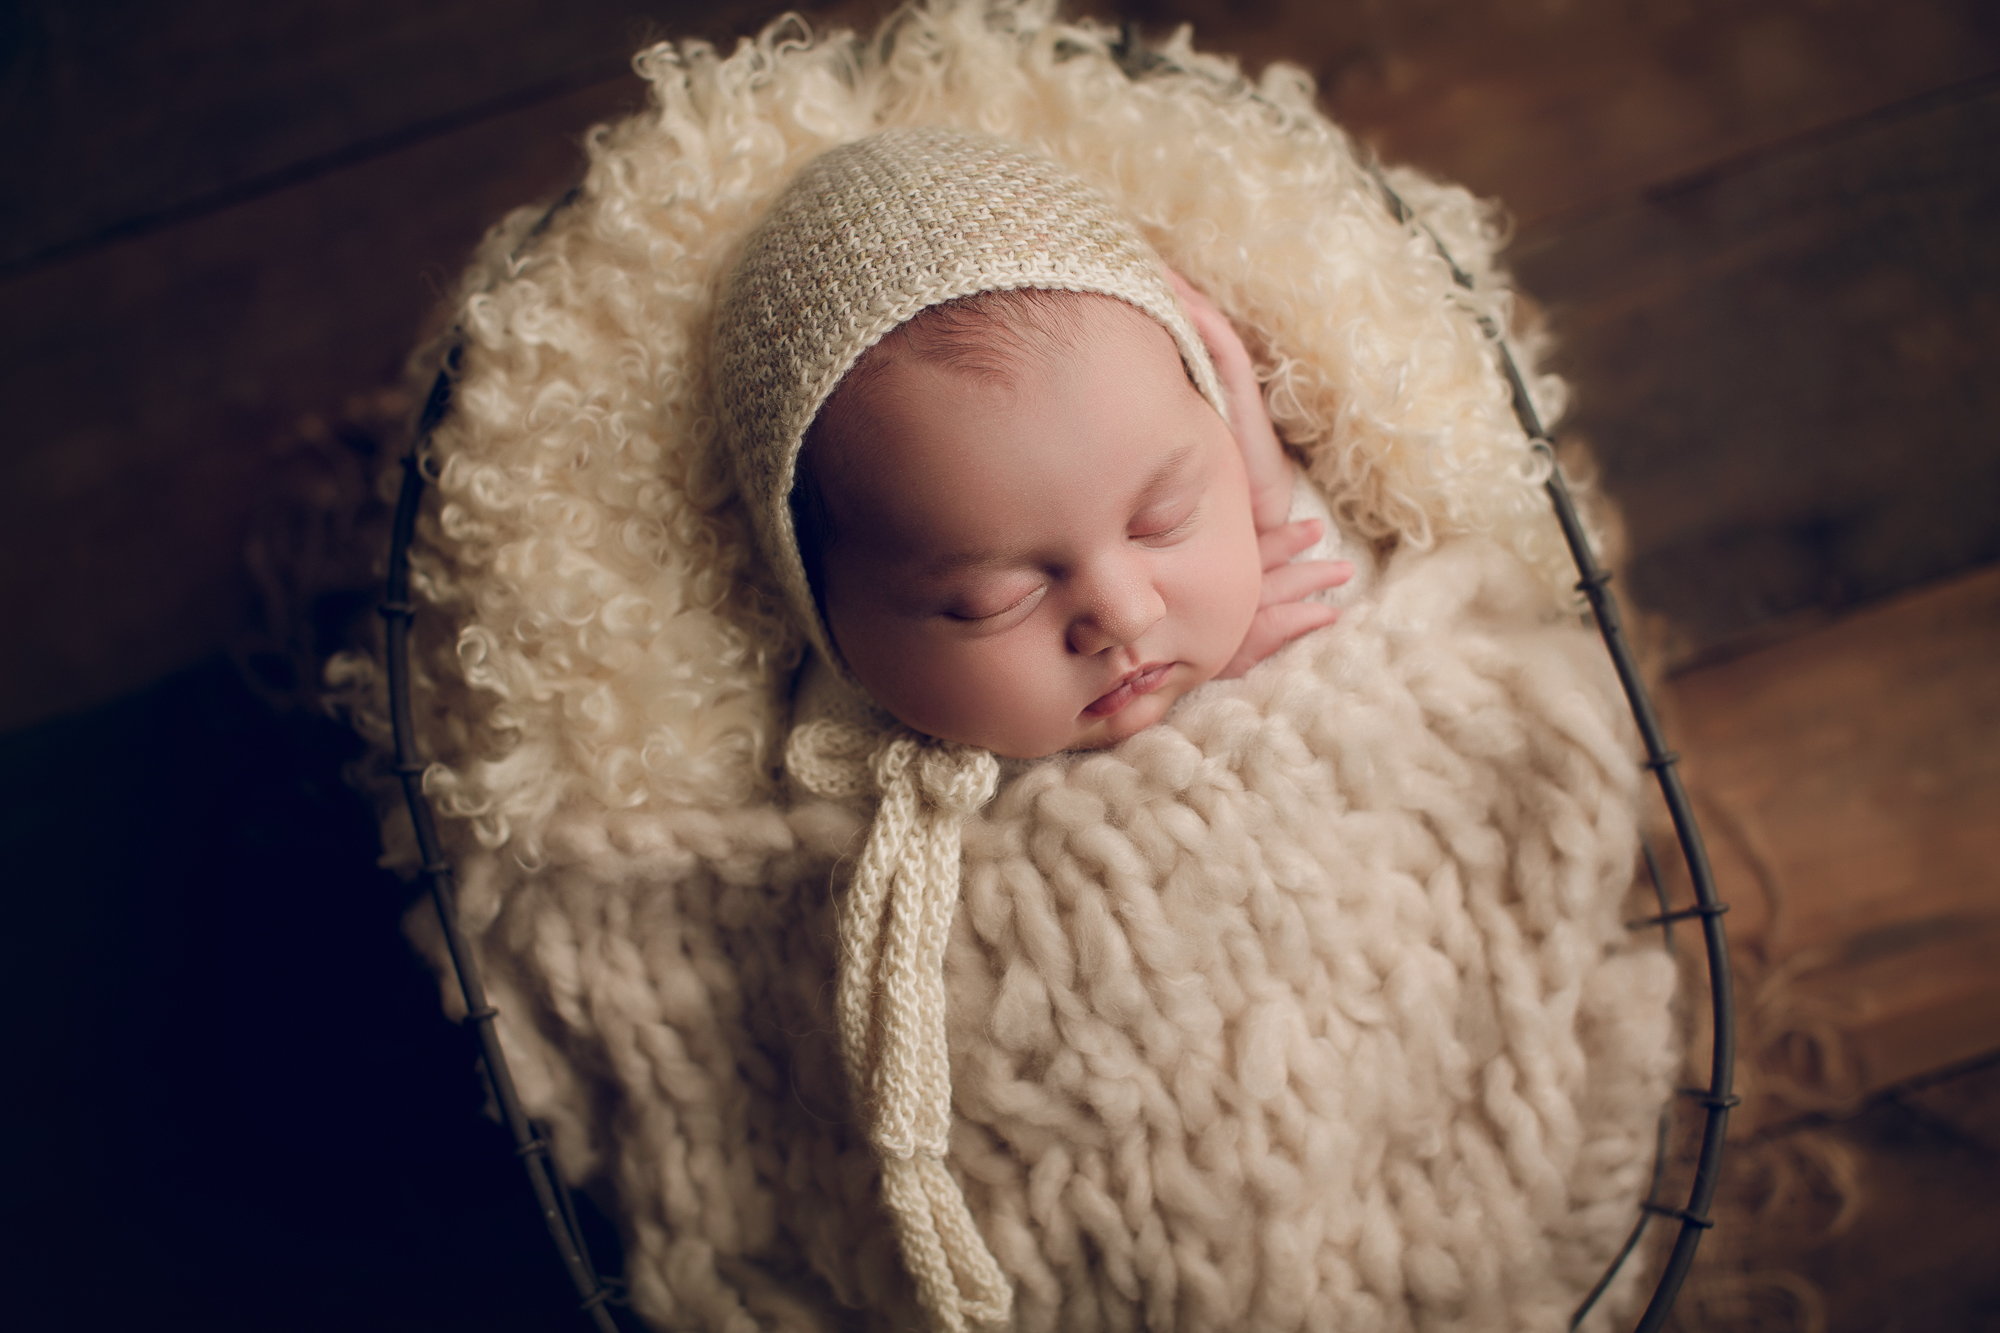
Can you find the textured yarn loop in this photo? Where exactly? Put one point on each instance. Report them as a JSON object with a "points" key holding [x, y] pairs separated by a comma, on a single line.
{"points": [[831, 757], [958, 1280]]}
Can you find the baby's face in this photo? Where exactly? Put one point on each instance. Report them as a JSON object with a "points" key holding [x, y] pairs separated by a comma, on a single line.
{"points": [[1045, 563]]}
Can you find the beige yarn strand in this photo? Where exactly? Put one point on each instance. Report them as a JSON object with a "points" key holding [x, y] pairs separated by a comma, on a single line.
{"points": [[889, 1000]]}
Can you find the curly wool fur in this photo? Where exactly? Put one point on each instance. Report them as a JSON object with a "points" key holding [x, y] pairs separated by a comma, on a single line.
{"points": [[1302, 1010], [614, 638]]}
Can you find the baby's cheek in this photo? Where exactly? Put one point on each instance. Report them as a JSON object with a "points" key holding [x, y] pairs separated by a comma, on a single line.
{"points": [[1012, 694], [1238, 577]]}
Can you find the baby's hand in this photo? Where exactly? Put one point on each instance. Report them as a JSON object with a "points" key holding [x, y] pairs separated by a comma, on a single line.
{"points": [[1264, 458], [1282, 611]]}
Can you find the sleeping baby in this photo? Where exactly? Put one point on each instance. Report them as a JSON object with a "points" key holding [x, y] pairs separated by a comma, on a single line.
{"points": [[1030, 532], [1020, 487], [1047, 501], [935, 863]]}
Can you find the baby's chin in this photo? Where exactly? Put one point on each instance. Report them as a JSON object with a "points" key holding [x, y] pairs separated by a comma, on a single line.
{"points": [[1081, 732], [1096, 734]]}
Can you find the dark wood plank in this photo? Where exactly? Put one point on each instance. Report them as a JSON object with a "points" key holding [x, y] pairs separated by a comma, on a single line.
{"points": [[211, 1017], [148, 374], [1880, 1223], [145, 391], [1545, 105], [1785, 367], [1551, 107], [1966, 1104], [1848, 779], [148, 111]]}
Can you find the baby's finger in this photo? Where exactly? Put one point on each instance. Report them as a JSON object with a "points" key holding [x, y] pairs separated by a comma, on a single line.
{"points": [[1277, 545], [1264, 461], [1274, 627], [1232, 359], [1208, 321], [1291, 583]]}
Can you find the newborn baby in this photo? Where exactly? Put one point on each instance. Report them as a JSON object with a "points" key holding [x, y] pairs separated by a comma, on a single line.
{"points": [[1029, 531], [986, 438], [1305, 1005]]}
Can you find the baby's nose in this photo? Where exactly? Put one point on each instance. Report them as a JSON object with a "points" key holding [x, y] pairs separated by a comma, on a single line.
{"points": [[1120, 604]]}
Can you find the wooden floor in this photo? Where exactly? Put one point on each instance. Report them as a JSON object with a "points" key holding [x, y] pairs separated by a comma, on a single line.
{"points": [[1764, 232], [1847, 780]]}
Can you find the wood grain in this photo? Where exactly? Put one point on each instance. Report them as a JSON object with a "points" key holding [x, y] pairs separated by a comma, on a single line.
{"points": [[1552, 107], [146, 390], [151, 111], [1879, 1222], [1850, 778], [1785, 367]]}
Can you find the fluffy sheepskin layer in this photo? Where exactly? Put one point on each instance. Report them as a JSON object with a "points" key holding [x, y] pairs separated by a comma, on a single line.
{"points": [[609, 635], [1306, 1009]]}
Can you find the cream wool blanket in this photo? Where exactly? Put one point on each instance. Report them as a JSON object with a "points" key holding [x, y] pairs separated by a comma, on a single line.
{"points": [[1309, 1008]]}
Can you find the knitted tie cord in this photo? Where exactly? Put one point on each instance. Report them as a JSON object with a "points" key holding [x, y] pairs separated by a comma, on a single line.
{"points": [[890, 998], [862, 240]]}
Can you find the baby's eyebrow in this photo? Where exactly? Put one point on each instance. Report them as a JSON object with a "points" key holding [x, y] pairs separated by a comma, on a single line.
{"points": [[957, 562], [1169, 469]]}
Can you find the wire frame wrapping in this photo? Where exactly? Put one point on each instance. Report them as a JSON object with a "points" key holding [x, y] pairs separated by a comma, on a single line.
{"points": [[1717, 1099]]}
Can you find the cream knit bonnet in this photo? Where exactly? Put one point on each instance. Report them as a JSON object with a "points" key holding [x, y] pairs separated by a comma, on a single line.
{"points": [[864, 238]]}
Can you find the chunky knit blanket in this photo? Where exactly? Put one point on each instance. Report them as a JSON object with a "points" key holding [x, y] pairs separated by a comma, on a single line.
{"points": [[1309, 1008]]}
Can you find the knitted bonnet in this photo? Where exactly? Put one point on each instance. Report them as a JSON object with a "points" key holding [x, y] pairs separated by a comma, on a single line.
{"points": [[867, 236]]}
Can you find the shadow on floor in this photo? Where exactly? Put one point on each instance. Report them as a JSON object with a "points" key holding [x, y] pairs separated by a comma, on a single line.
{"points": [[232, 1095]]}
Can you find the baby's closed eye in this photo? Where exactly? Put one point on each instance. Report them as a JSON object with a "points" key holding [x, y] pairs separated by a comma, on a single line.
{"points": [[1163, 525], [996, 608]]}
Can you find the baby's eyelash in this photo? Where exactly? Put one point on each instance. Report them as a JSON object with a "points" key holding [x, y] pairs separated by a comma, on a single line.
{"points": [[1011, 607], [1173, 530]]}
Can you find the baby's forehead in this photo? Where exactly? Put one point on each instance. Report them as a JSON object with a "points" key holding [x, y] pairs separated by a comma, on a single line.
{"points": [[994, 335], [1006, 394], [984, 345]]}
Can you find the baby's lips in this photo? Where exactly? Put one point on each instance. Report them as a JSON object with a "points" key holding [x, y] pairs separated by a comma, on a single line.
{"points": [[1134, 684]]}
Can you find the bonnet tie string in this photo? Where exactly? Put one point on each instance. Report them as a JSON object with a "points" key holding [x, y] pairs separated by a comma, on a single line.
{"points": [[889, 999]]}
